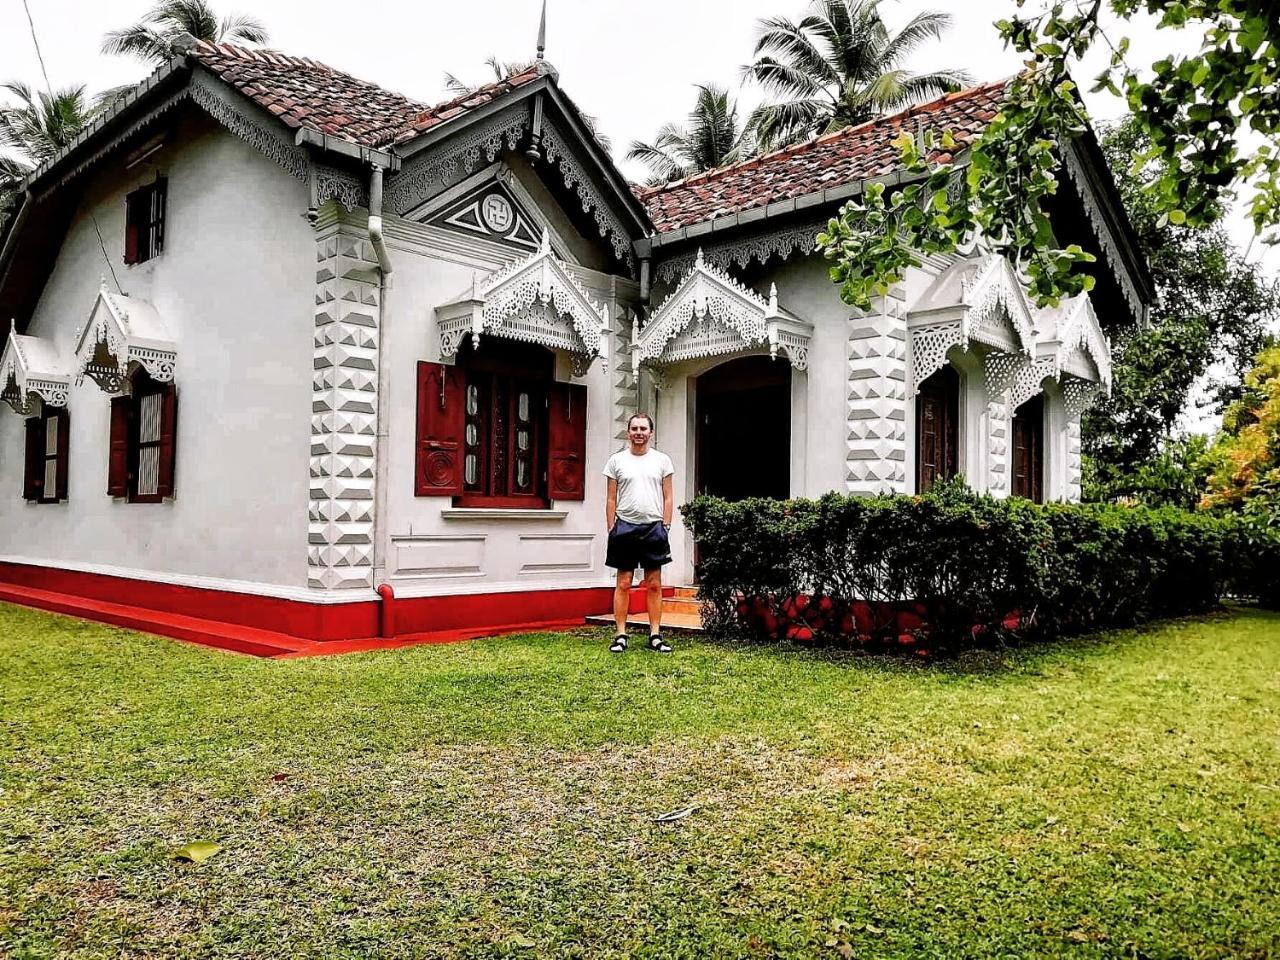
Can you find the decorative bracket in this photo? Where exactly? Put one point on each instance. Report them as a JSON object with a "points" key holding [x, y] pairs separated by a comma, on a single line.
{"points": [[120, 333], [537, 300], [32, 374], [711, 314]]}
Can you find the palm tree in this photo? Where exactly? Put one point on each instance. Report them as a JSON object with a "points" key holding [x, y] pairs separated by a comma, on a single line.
{"points": [[713, 138], [839, 66], [34, 129], [159, 35]]}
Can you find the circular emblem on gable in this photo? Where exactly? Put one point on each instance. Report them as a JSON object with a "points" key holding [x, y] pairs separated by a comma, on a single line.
{"points": [[497, 213]]}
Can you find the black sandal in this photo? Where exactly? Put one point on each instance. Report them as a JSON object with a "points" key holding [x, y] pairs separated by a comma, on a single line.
{"points": [[657, 644], [619, 644]]}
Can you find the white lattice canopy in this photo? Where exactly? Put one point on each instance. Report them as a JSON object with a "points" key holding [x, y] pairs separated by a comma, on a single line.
{"points": [[979, 300], [121, 335], [536, 300], [32, 373], [710, 314]]}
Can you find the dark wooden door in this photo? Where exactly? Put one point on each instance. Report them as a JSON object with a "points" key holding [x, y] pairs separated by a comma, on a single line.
{"points": [[1028, 450], [937, 429], [744, 429]]}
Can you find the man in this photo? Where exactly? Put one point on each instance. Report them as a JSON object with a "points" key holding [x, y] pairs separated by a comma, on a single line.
{"points": [[637, 511]]}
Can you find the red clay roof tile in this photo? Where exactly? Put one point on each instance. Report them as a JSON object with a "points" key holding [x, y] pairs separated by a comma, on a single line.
{"points": [[302, 92], [843, 156]]}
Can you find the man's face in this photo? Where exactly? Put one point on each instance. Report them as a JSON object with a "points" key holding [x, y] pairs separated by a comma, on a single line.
{"points": [[639, 432]]}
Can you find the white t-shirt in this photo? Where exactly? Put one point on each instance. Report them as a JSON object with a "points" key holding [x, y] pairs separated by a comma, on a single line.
{"points": [[639, 483]]}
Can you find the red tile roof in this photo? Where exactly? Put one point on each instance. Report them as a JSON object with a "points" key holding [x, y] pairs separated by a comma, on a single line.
{"points": [[831, 160], [305, 93]]}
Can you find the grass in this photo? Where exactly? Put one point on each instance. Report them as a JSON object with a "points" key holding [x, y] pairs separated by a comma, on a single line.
{"points": [[1115, 796]]}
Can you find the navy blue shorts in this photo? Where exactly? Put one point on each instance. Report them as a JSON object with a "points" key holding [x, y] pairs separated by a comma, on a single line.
{"points": [[643, 545]]}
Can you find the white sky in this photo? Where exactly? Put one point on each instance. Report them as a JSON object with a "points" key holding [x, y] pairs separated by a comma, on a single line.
{"points": [[632, 66]]}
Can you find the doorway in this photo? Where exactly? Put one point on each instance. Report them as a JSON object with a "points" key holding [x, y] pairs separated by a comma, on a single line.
{"points": [[743, 430], [937, 429]]}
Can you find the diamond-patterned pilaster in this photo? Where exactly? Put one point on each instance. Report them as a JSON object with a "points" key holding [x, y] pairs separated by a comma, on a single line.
{"points": [[626, 389], [344, 407], [876, 400], [1073, 459], [998, 446]]}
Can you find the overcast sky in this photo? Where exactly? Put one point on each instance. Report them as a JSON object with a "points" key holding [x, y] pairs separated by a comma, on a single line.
{"points": [[632, 66]]}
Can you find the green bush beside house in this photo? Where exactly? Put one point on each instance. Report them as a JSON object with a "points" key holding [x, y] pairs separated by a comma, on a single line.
{"points": [[952, 569]]}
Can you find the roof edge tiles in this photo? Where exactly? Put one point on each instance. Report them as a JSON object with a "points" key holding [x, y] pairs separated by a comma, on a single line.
{"points": [[831, 160]]}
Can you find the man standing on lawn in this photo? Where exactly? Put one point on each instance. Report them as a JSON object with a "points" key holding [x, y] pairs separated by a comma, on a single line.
{"points": [[637, 510]]}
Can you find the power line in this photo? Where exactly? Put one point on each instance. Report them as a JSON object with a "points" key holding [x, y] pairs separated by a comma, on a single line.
{"points": [[39, 56]]}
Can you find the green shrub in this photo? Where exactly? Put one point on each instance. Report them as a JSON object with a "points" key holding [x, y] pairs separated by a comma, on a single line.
{"points": [[952, 569]]}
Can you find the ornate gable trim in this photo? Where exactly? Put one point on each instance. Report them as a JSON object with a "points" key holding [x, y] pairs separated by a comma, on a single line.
{"points": [[32, 373], [710, 314], [122, 334], [537, 300], [1079, 339], [978, 301], [491, 211]]}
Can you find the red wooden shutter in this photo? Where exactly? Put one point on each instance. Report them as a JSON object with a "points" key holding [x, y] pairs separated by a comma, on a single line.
{"points": [[118, 461], [131, 227], [33, 472], [64, 447], [168, 440], [159, 199], [567, 442], [441, 421]]}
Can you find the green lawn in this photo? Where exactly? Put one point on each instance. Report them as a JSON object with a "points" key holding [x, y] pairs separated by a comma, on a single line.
{"points": [[1117, 796]]}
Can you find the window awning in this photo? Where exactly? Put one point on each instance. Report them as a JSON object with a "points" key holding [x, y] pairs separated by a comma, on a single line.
{"points": [[710, 314], [32, 373], [979, 301], [536, 300], [122, 334], [1074, 349]]}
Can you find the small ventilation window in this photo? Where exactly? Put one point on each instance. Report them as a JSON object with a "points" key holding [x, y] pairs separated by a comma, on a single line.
{"points": [[144, 222]]}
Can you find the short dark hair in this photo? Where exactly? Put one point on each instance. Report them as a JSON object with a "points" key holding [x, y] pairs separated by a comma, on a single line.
{"points": [[636, 416]]}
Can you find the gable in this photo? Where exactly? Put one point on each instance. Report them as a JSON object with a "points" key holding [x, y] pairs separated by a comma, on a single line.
{"points": [[491, 211]]}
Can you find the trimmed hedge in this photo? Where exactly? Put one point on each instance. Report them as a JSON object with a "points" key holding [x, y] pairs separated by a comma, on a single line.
{"points": [[952, 569]]}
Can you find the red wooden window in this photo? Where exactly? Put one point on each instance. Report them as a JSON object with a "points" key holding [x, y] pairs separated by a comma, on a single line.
{"points": [[937, 429], [143, 442], [45, 476], [496, 431], [1028, 450], [144, 221]]}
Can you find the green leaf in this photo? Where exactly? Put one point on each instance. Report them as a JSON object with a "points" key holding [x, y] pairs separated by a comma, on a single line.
{"points": [[197, 851]]}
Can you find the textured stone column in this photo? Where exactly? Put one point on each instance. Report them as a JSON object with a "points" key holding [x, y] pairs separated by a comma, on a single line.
{"points": [[1073, 458], [998, 417], [876, 399], [344, 405], [626, 389]]}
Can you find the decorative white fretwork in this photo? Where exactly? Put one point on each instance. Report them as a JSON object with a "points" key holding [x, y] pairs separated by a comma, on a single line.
{"points": [[122, 334], [559, 154], [536, 300], [32, 373], [875, 415], [1078, 395], [784, 243], [344, 408], [710, 314], [978, 300], [1029, 381], [1078, 339], [1093, 211]]}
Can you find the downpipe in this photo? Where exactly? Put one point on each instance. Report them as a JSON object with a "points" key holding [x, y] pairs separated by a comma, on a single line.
{"points": [[381, 417]]}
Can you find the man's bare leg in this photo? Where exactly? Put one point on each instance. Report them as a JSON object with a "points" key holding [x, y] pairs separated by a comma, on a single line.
{"points": [[622, 600], [653, 599]]}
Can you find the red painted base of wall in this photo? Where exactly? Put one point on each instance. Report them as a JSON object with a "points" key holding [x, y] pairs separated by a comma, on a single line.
{"points": [[269, 626]]}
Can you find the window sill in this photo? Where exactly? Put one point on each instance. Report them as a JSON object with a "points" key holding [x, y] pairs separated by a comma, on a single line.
{"points": [[501, 513]]}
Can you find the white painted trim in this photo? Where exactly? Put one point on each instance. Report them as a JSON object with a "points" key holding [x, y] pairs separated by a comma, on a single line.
{"points": [[500, 513], [408, 590]]}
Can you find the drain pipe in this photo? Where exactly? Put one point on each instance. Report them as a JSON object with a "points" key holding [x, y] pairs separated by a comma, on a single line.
{"points": [[386, 611], [381, 417]]}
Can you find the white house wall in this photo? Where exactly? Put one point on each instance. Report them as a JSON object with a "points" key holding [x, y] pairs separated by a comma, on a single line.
{"points": [[429, 548], [233, 284]]}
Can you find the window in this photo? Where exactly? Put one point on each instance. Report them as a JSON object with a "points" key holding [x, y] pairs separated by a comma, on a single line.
{"points": [[45, 477], [143, 429], [144, 222], [937, 429], [1028, 450], [496, 430]]}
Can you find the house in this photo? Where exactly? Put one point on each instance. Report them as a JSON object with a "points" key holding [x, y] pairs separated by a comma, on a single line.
{"points": [[296, 353]]}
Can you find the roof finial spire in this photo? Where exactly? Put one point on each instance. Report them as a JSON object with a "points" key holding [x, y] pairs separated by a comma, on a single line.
{"points": [[542, 32]]}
